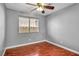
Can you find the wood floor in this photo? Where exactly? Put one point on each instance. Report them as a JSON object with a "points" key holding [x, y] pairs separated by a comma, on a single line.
{"points": [[39, 49]]}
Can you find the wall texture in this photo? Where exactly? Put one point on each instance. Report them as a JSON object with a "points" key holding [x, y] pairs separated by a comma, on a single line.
{"points": [[63, 27], [13, 37], [2, 27]]}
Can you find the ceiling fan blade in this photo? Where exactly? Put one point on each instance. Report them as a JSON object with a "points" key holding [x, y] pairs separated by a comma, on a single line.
{"points": [[31, 4], [48, 3], [33, 9], [49, 7]]}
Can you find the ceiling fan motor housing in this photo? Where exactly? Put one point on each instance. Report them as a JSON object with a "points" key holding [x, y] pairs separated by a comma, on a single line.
{"points": [[39, 4]]}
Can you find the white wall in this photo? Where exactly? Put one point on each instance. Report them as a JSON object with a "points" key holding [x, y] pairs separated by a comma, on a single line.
{"points": [[13, 37], [63, 27], [2, 27]]}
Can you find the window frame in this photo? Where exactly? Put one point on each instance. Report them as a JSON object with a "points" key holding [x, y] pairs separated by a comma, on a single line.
{"points": [[29, 24]]}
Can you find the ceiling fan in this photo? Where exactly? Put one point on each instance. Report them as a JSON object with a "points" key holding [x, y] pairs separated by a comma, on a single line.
{"points": [[42, 6]]}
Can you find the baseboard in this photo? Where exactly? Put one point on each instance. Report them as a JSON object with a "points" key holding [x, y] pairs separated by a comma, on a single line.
{"points": [[4, 52], [21, 45], [63, 47], [25, 44], [39, 42]]}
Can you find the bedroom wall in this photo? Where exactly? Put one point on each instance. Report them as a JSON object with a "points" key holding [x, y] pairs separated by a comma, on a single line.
{"points": [[13, 37], [63, 27], [2, 27]]}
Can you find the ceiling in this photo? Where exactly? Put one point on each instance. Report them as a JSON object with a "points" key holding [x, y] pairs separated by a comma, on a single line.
{"points": [[22, 7]]}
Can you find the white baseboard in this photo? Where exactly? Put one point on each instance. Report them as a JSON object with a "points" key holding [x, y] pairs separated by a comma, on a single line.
{"points": [[4, 52], [21, 45], [25, 44], [63, 47], [39, 42]]}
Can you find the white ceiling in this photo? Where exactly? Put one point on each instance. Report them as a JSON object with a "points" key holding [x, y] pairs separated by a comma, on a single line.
{"points": [[22, 7]]}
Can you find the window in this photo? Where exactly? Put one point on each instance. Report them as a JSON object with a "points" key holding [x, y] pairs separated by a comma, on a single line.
{"points": [[28, 24]]}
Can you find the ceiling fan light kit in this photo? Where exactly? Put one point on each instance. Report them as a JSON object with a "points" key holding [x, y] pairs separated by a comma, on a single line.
{"points": [[40, 9]]}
